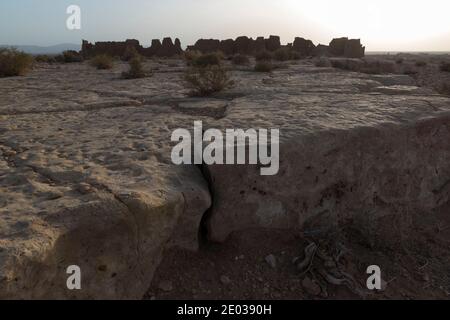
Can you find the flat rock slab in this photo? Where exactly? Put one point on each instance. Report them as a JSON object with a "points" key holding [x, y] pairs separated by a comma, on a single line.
{"points": [[86, 177]]}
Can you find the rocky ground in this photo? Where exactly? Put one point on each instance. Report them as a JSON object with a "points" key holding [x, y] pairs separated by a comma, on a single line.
{"points": [[86, 179]]}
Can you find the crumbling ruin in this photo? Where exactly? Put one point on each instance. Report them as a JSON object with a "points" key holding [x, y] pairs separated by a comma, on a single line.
{"points": [[167, 48], [341, 47]]}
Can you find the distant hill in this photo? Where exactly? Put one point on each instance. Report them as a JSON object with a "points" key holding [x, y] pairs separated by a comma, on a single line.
{"points": [[46, 50]]}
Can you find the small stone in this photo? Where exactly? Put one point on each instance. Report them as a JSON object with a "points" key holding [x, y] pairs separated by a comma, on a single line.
{"points": [[271, 261], [311, 287], [225, 280], [166, 286]]}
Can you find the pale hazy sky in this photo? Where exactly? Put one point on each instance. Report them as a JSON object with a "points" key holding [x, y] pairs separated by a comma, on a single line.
{"points": [[393, 25]]}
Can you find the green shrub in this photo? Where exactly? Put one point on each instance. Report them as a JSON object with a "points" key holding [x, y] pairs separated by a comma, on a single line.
{"points": [[102, 62], [282, 54], [204, 81], [445, 66], [136, 69], [14, 62], [208, 59], [264, 56], [241, 59], [264, 66], [71, 56]]}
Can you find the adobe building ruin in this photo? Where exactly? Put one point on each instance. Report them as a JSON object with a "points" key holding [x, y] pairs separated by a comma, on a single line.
{"points": [[340, 47]]}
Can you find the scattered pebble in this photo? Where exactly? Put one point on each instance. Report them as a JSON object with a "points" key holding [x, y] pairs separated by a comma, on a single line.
{"points": [[225, 280], [272, 261], [311, 287], [166, 286]]}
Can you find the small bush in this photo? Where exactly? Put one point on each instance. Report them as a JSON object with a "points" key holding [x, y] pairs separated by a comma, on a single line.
{"points": [[14, 63], [136, 70], [421, 63], [444, 88], [102, 62], [241, 59], [130, 53], [43, 58], [191, 55], [399, 61], [264, 66], [445, 66], [264, 56], [72, 56], [296, 55], [323, 62], [205, 81], [282, 54], [410, 71], [378, 67], [209, 59]]}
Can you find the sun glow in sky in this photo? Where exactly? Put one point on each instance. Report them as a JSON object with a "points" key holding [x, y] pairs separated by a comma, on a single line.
{"points": [[382, 25]]}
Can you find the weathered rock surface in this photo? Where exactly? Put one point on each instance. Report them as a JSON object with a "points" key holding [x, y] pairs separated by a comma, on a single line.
{"points": [[86, 176]]}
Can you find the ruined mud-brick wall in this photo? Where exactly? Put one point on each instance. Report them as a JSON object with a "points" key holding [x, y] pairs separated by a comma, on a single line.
{"points": [[341, 47], [165, 49]]}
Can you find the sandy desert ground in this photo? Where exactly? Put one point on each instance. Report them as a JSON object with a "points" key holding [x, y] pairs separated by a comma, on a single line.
{"points": [[86, 178]]}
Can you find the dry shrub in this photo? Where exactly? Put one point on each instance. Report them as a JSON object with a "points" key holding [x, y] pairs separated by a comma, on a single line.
{"points": [[71, 56], [323, 62], [102, 62], [264, 56], [364, 66], [136, 69], [205, 81], [421, 63], [241, 59], [43, 58], [191, 55], [410, 71], [14, 62], [444, 88], [130, 53], [208, 59], [264, 66], [378, 67], [399, 61], [296, 55], [445, 66], [282, 54]]}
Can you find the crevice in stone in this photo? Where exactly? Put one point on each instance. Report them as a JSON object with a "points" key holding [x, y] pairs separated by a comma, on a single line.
{"points": [[203, 235]]}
